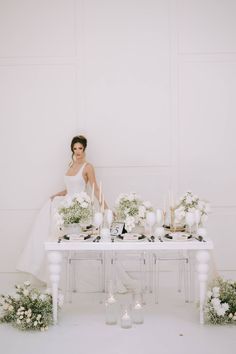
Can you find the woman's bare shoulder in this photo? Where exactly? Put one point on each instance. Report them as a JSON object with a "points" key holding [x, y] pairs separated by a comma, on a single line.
{"points": [[89, 167]]}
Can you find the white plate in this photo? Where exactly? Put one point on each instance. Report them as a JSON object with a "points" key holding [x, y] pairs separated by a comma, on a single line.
{"points": [[77, 238], [178, 237], [130, 237]]}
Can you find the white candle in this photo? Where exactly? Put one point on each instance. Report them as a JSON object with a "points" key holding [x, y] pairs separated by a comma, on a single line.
{"points": [[100, 193], [169, 195], [171, 199], [164, 205], [103, 203], [92, 197]]}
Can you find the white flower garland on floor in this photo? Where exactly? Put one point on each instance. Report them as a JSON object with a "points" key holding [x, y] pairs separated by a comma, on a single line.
{"points": [[29, 308], [221, 302]]}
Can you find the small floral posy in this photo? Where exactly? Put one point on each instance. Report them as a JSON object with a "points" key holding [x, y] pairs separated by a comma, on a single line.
{"points": [[28, 309], [132, 210], [74, 210], [221, 302]]}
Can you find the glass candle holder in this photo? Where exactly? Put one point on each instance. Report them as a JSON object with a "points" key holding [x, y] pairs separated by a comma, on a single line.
{"points": [[126, 319], [137, 309], [111, 310]]}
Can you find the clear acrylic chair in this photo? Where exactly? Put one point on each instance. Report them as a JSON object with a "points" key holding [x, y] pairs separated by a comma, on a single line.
{"points": [[184, 270], [118, 270], [73, 262]]}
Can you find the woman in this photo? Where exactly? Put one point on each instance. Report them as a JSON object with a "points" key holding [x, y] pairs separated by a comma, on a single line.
{"points": [[80, 173]]}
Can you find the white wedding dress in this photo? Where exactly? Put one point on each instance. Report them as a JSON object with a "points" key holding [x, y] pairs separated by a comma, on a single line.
{"points": [[33, 258]]}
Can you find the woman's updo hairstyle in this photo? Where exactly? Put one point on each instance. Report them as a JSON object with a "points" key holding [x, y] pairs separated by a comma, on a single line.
{"points": [[78, 139]]}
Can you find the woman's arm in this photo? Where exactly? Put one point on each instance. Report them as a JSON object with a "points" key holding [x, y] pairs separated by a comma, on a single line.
{"points": [[91, 178], [59, 194]]}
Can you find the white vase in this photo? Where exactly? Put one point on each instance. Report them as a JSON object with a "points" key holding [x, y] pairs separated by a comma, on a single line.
{"points": [[72, 229]]}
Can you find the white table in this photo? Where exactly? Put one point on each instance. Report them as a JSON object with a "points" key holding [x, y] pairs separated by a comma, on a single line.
{"points": [[55, 249]]}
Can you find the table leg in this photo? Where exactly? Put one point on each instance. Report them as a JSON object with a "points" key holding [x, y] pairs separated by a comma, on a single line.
{"points": [[54, 260], [203, 258]]}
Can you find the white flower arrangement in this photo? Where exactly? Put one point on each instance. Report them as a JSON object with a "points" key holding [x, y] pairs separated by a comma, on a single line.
{"points": [[191, 203], [132, 210], [221, 302], [28, 309], [74, 210]]}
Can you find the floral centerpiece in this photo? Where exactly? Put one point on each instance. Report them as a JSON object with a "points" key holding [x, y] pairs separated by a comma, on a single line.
{"points": [[190, 203], [74, 210], [131, 209], [28, 309], [221, 302]]}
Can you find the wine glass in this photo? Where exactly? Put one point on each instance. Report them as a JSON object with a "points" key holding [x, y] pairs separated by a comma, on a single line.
{"points": [[97, 221], [150, 220], [190, 219], [197, 215], [109, 217], [159, 217]]}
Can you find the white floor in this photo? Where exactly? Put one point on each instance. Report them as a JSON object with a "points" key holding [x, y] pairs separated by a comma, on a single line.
{"points": [[170, 327]]}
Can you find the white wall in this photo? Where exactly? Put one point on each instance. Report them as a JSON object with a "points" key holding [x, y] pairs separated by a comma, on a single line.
{"points": [[150, 83]]}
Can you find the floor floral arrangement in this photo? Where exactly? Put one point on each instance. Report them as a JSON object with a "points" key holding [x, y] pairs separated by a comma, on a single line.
{"points": [[221, 302], [28, 308]]}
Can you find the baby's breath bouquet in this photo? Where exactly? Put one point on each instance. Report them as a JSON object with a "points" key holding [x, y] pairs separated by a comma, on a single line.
{"points": [[190, 203], [74, 210], [221, 302], [28, 308], [132, 210]]}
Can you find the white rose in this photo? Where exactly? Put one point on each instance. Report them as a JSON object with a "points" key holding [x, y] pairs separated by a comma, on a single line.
{"points": [[35, 323], [225, 306], [84, 205], [26, 292], [27, 283], [220, 311], [28, 320], [230, 315], [215, 302], [34, 296], [43, 297]]}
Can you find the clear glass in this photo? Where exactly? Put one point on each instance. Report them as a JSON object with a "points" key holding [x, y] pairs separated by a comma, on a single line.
{"points": [[126, 319], [111, 310], [137, 309]]}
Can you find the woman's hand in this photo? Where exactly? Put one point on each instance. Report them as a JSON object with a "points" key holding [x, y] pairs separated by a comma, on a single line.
{"points": [[60, 194]]}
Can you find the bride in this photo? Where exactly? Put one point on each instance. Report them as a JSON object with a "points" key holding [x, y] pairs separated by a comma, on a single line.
{"points": [[78, 176]]}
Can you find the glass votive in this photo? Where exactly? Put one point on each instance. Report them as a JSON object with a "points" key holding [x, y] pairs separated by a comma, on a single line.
{"points": [[125, 319], [111, 310], [137, 309]]}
